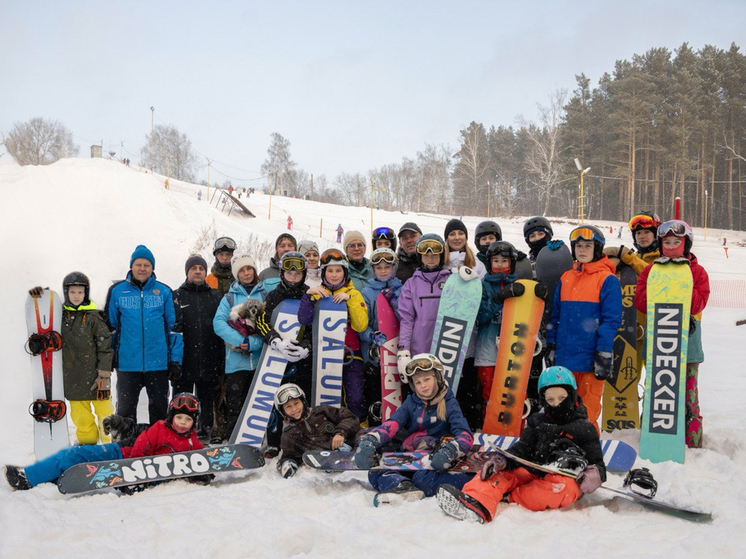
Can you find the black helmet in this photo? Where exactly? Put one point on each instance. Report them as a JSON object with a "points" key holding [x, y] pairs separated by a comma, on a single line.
{"points": [[537, 223], [503, 248], [224, 244], [186, 403], [293, 260], [487, 228], [589, 233], [431, 242], [384, 233], [77, 278]]}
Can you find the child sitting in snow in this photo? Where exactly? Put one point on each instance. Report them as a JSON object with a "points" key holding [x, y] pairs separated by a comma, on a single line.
{"points": [[176, 433], [434, 421], [306, 428], [563, 420]]}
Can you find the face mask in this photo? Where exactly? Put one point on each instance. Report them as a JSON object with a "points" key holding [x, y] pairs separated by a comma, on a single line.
{"points": [[562, 413], [503, 270], [678, 252]]}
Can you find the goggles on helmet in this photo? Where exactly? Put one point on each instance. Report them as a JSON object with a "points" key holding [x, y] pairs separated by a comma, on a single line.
{"points": [[225, 243], [387, 256], [181, 402], [383, 233], [642, 221], [293, 264], [585, 233], [430, 245], [333, 256], [287, 393], [675, 228], [423, 364]]}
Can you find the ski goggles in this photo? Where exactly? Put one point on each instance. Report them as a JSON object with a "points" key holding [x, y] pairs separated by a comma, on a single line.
{"points": [[430, 245], [423, 364], [643, 221], [378, 257], [586, 234], [288, 392], [675, 228], [293, 263], [383, 233], [188, 402], [225, 243], [333, 256]]}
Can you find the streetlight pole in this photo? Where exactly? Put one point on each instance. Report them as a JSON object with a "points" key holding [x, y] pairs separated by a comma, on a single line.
{"points": [[705, 215], [152, 117], [271, 185], [581, 200]]}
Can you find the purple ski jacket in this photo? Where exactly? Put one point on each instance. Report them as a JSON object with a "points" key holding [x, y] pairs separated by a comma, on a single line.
{"points": [[418, 309]]}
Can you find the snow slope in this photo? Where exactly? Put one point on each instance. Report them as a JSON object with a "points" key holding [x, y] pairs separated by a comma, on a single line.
{"points": [[89, 215]]}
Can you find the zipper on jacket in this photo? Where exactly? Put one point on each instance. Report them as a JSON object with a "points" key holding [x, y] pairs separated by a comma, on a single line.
{"points": [[142, 324]]}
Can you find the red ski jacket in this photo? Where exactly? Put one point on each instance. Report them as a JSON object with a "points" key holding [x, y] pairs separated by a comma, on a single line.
{"points": [[700, 293], [161, 439]]}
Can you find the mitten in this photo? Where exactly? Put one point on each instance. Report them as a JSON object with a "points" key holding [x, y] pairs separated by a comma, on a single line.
{"points": [[511, 290], [541, 291], [287, 468], [402, 359], [445, 457], [602, 365], [467, 274], [174, 371], [549, 355], [495, 464], [365, 455], [589, 479]]}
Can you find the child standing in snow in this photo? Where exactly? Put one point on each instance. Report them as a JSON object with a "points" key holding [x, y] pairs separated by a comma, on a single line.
{"points": [[306, 428], [675, 239], [434, 421], [176, 433], [562, 422]]}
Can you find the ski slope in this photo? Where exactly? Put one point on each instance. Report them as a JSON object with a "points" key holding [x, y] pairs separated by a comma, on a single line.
{"points": [[88, 215]]}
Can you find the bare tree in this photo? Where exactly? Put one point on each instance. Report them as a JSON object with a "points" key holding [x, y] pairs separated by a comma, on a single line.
{"points": [[172, 153], [471, 172], [434, 185], [280, 165], [352, 188], [40, 142]]}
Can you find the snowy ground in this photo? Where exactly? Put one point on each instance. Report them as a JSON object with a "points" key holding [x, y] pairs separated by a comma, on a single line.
{"points": [[89, 215]]}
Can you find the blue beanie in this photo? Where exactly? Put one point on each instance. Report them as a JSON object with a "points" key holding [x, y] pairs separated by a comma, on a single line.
{"points": [[142, 252]]}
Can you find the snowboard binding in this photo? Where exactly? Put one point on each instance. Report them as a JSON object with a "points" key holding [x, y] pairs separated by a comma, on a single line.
{"points": [[641, 482], [40, 343], [566, 455], [48, 411]]}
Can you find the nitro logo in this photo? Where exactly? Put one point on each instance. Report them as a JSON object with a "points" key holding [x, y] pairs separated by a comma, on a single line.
{"points": [[165, 466], [665, 382], [450, 345]]}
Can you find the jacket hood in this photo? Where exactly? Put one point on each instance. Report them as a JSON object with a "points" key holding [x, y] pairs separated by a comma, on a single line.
{"points": [[602, 265], [393, 283]]}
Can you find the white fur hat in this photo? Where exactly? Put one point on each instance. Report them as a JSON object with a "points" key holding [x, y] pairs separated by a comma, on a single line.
{"points": [[239, 261]]}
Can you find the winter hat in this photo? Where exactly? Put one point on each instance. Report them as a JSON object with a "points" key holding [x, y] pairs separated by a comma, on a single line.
{"points": [[455, 225], [285, 236], [193, 260], [239, 261], [305, 246], [142, 252], [409, 226], [353, 236]]}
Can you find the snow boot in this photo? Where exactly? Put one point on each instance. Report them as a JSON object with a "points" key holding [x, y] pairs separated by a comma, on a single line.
{"points": [[17, 478], [405, 491], [460, 505]]}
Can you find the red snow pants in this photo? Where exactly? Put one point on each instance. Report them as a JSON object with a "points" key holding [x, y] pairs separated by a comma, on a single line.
{"points": [[590, 389]]}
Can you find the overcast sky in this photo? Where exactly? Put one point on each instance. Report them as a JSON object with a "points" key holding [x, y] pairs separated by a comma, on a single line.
{"points": [[353, 85]]}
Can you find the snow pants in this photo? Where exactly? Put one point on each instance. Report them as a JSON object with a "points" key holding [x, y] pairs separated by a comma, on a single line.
{"points": [[526, 489], [89, 428], [237, 386], [693, 418], [353, 381], [52, 467], [425, 480], [129, 385], [469, 395], [590, 389], [205, 391]]}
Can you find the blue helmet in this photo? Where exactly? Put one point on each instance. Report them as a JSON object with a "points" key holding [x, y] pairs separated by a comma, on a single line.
{"points": [[556, 376]]}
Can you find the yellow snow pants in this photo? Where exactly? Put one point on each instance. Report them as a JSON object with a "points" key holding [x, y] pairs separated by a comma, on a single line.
{"points": [[89, 428]]}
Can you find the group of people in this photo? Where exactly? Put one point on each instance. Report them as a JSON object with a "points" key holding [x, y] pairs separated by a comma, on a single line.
{"points": [[206, 336]]}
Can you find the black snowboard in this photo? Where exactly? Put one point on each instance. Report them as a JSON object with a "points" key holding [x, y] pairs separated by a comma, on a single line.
{"points": [[334, 460], [550, 265]]}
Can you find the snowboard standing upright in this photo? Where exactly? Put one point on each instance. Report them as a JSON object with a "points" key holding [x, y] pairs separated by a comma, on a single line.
{"points": [[550, 265], [620, 403], [252, 423], [669, 293], [329, 330], [520, 325], [391, 389], [457, 314], [44, 320]]}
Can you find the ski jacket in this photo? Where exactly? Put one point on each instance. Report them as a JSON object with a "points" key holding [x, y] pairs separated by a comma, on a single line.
{"points": [[638, 262], [313, 277], [203, 349], [270, 276], [317, 430], [489, 319], [418, 308], [357, 313], [145, 333], [235, 360], [220, 278], [86, 349], [407, 265], [161, 439], [370, 295], [274, 298], [456, 260], [586, 313], [536, 441], [424, 426], [360, 273]]}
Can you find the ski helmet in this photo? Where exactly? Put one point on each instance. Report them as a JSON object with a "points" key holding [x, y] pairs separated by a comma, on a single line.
{"points": [[423, 362], [589, 233], [649, 221], [384, 255], [502, 248], [334, 257], [293, 260], [430, 242], [77, 278], [556, 376], [487, 228], [224, 244], [288, 392], [538, 223], [186, 403], [385, 233], [677, 228], [563, 378]]}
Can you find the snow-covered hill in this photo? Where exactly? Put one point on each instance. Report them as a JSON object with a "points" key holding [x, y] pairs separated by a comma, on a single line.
{"points": [[88, 215]]}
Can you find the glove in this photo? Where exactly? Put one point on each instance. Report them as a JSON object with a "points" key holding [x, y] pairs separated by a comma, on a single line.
{"points": [[36, 292], [365, 455], [512, 290], [102, 385], [541, 291], [287, 468], [549, 355], [174, 371], [296, 352], [602, 365], [402, 358], [388, 294], [445, 457], [280, 345], [467, 274], [495, 464], [378, 338], [271, 452], [589, 479], [555, 245]]}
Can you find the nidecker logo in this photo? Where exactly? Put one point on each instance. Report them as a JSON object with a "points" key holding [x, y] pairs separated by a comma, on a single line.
{"points": [[665, 385], [167, 465]]}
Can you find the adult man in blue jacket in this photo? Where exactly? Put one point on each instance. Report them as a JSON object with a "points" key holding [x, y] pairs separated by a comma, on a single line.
{"points": [[146, 337]]}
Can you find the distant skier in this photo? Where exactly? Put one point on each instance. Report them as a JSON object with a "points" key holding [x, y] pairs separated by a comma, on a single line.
{"points": [[290, 223], [340, 232], [619, 232]]}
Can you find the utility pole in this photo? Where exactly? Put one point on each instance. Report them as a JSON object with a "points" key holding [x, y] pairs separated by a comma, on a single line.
{"points": [[581, 199], [152, 118], [271, 184], [208, 178], [121, 149], [705, 215], [311, 186]]}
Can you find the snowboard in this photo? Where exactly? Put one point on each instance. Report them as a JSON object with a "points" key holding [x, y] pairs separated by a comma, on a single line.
{"points": [[335, 460], [550, 265], [96, 476], [44, 317], [257, 409], [391, 389], [520, 325], [329, 330], [649, 502], [620, 399], [457, 314], [523, 269], [619, 457], [669, 292]]}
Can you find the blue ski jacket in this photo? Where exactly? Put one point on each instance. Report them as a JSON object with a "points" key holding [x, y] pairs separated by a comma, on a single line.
{"points": [[234, 360], [489, 319], [370, 294], [145, 333]]}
